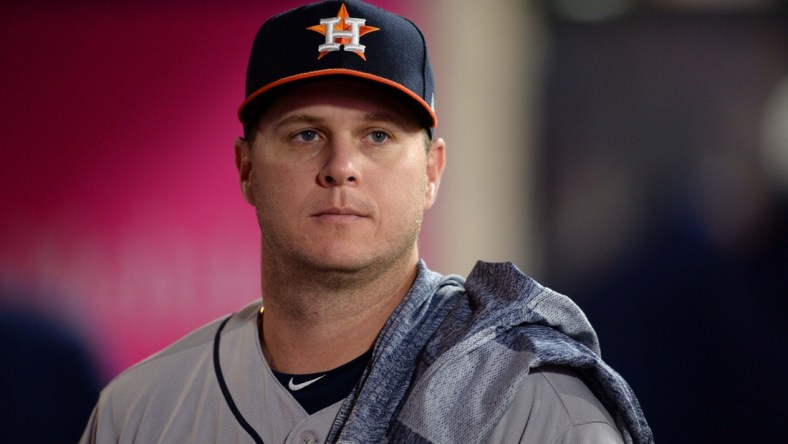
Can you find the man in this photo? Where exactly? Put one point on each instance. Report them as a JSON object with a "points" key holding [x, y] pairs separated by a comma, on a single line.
{"points": [[358, 342]]}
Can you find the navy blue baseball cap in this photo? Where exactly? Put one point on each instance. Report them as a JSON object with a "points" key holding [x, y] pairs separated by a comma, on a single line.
{"points": [[340, 38]]}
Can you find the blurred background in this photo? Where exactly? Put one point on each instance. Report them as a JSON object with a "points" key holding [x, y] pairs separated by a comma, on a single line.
{"points": [[631, 154]]}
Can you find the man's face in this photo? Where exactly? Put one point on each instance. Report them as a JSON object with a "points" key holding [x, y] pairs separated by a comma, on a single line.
{"points": [[340, 176]]}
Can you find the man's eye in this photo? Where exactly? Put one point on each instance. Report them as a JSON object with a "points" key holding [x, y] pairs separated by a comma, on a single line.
{"points": [[307, 135], [378, 136]]}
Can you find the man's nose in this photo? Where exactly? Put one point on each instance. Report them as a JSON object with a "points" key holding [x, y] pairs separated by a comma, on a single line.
{"points": [[341, 165]]}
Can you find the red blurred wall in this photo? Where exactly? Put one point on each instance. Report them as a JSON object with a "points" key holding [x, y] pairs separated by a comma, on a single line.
{"points": [[121, 211]]}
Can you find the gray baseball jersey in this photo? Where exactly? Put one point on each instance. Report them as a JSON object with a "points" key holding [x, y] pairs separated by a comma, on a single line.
{"points": [[175, 397]]}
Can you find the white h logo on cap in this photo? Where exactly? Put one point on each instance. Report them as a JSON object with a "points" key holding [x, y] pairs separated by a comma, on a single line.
{"points": [[342, 30], [332, 34]]}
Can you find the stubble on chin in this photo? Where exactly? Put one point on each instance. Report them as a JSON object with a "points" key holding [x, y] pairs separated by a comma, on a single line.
{"points": [[332, 273], [294, 259]]}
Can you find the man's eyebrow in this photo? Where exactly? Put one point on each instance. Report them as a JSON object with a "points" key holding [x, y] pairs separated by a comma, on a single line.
{"points": [[298, 118]]}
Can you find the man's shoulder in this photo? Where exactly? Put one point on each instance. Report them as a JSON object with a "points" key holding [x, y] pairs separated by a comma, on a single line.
{"points": [[555, 405], [173, 394], [176, 361], [570, 394]]}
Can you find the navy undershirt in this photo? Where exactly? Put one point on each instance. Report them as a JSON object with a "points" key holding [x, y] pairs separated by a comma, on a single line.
{"points": [[331, 387]]}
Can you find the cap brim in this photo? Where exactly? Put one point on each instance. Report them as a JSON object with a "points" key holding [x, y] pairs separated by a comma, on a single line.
{"points": [[246, 112]]}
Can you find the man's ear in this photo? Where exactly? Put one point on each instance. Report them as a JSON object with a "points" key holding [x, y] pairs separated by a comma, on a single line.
{"points": [[243, 162], [436, 161]]}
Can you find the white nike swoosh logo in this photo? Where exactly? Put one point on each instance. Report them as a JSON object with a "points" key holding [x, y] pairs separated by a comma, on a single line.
{"points": [[297, 387]]}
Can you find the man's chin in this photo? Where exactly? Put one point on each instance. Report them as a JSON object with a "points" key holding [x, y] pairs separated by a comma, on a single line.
{"points": [[338, 265], [346, 267]]}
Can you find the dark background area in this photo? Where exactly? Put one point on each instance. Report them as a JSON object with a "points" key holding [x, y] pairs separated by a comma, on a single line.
{"points": [[665, 209]]}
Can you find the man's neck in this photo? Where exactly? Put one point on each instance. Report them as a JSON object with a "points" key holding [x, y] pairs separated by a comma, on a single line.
{"points": [[316, 323]]}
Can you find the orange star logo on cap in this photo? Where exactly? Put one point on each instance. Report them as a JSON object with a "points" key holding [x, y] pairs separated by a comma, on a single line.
{"points": [[344, 31]]}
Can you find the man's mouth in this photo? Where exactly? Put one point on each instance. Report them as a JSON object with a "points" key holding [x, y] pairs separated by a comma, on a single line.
{"points": [[339, 214]]}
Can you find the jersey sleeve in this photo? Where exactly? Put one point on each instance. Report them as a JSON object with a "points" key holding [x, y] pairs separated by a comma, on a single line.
{"points": [[555, 406]]}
